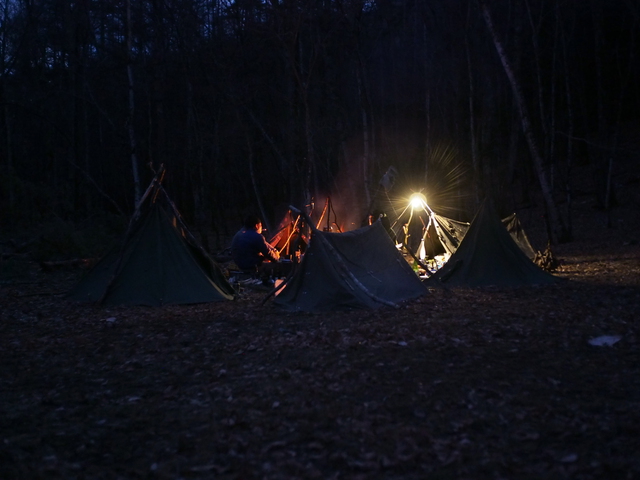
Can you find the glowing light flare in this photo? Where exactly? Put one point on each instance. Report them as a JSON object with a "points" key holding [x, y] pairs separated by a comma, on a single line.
{"points": [[418, 200]]}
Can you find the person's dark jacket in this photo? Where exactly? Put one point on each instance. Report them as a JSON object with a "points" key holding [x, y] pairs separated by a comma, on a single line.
{"points": [[249, 249]]}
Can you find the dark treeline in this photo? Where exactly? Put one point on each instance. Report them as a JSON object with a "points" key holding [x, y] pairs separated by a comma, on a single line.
{"points": [[254, 103]]}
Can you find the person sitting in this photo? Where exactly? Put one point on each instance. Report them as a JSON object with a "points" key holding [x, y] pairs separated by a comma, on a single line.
{"points": [[249, 249]]}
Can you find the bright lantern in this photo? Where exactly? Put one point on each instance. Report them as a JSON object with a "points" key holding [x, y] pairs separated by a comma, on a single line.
{"points": [[418, 200]]}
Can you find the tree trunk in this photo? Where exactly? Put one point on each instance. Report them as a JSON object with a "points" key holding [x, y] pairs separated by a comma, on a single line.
{"points": [[622, 89], [570, 131], [558, 230], [256, 190], [427, 106], [131, 119], [472, 124], [366, 144], [535, 28], [9, 167]]}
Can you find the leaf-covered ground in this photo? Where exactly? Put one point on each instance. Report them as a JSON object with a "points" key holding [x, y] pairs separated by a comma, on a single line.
{"points": [[461, 384]]}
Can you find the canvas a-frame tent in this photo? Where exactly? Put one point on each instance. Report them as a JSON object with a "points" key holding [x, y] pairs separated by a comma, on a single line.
{"points": [[159, 262], [489, 256], [444, 235], [358, 269]]}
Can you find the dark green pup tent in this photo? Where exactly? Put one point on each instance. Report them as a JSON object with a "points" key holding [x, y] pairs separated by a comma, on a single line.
{"points": [[159, 263], [357, 269], [488, 255], [443, 235]]}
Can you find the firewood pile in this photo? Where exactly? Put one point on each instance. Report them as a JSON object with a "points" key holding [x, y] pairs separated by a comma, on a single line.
{"points": [[547, 260]]}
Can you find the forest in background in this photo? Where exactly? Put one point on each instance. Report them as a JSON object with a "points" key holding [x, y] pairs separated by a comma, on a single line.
{"points": [[250, 104]]}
